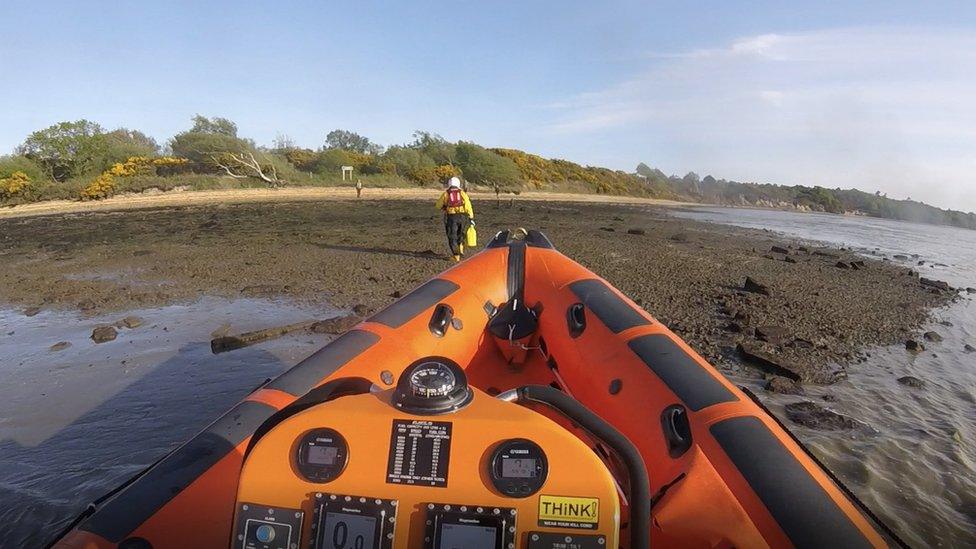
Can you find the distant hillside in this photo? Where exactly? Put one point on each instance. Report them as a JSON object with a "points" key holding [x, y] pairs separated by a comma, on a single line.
{"points": [[81, 160], [819, 199]]}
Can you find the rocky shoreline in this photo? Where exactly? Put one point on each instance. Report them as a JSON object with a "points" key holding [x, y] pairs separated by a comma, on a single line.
{"points": [[751, 302]]}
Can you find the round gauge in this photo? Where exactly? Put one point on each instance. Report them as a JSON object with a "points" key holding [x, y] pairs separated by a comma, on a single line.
{"points": [[432, 379], [518, 468], [321, 455], [432, 385]]}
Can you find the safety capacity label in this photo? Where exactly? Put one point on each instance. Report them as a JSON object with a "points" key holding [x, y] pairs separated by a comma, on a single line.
{"points": [[569, 512]]}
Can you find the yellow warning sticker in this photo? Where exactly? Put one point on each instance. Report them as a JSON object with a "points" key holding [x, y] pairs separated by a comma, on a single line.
{"points": [[569, 512]]}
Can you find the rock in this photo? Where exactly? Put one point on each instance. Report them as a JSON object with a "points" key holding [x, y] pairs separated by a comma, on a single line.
{"points": [[804, 249], [968, 348], [932, 336], [900, 256], [767, 361], [828, 255], [802, 344], [86, 305], [783, 386], [829, 397], [858, 265], [842, 265], [946, 323], [812, 415], [751, 285], [679, 237], [789, 259], [772, 334], [914, 346], [103, 334], [59, 346], [396, 294], [779, 250], [335, 326], [130, 322], [938, 284], [31, 311], [636, 231], [971, 290], [911, 381], [360, 309], [608, 229], [735, 327]]}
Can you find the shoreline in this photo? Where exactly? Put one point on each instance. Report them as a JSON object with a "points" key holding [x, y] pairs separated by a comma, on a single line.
{"points": [[298, 194]]}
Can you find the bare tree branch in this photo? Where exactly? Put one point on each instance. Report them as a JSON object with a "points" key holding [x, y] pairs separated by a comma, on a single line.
{"points": [[247, 163]]}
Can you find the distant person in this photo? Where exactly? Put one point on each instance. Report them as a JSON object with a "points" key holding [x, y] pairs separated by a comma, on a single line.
{"points": [[458, 216], [359, 188]]}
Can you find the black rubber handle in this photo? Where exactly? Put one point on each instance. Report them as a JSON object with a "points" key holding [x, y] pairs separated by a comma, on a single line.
{"points": [[640, 490]]}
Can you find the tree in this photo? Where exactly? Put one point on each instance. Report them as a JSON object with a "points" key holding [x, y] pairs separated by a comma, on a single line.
{"points": [[434, 146], [66, 149], [123, 143], [351, 141], [480, 165], [15, 163], [215, 125], [283, 142]]}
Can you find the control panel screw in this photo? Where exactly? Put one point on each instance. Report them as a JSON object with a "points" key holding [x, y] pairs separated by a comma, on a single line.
{"points": [[535, 537], [386, 377]]}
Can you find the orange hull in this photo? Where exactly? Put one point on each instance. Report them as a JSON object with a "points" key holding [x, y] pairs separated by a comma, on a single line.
{"points": [[721, 471]]}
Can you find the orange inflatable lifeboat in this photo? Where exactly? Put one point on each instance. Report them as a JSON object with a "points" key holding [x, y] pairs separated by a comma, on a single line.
{"points": [[516, 400]]}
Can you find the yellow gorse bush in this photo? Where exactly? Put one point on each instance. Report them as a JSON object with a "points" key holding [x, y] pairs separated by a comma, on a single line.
{"points": [[17, 183], [104, 185]]}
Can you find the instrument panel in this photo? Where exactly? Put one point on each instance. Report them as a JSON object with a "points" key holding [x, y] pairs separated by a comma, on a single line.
{"points": [[363, 472]]}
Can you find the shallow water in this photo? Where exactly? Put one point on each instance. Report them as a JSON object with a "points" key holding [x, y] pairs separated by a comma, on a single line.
{"points": [[76, 423], [915, 463]]}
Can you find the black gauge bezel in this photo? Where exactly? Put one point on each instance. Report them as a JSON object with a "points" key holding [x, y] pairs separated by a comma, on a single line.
{"points": [[383, 510], [502, 519], [456, 398], [518, 487], [318, 473]]}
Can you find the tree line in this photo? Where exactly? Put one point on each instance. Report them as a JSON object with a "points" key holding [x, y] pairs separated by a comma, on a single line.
{"points": [[81, 159]]}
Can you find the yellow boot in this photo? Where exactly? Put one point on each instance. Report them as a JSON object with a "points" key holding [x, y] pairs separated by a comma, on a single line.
{"points": [[457, 258]]}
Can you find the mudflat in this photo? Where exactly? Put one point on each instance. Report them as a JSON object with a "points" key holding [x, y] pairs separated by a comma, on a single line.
{"points": [[804, 313]]}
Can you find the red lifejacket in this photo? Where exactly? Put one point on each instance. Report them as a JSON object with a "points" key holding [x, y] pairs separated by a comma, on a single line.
{"points": [[454, 199]]}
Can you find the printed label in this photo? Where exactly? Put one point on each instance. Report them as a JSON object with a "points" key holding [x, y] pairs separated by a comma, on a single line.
{"points": [[569, 512]]}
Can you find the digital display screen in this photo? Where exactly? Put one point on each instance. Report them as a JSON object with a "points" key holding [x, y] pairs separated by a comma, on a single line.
{"points": [[343, 530], [467, 536], [519, 468], [322, 455]]}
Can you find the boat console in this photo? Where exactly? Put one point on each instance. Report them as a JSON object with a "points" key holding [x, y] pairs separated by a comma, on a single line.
{"points": [[431, 463]]}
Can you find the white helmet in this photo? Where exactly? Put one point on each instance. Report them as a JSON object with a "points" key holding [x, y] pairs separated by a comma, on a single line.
{"points": [[454, 182]]}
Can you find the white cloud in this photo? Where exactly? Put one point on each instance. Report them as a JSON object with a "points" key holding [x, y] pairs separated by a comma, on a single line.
{"points": [[888, 108]]}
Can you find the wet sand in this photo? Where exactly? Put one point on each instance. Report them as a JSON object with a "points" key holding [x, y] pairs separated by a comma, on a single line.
{"points": [[347, 253]]}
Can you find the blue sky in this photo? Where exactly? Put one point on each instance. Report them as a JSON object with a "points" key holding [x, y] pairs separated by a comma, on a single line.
{"points": [[874, 96]]}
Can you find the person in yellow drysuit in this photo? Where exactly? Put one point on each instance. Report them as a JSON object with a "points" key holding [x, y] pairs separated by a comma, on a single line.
{"points": [[458, 215]]}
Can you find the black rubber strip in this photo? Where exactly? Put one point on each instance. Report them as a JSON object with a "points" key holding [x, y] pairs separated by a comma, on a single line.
{"points": [[682, 374], [803, 509], [537, 239], [414, 303], [516, 271], [118, 517], [308, 373], [499, 241], [614, 312]]}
